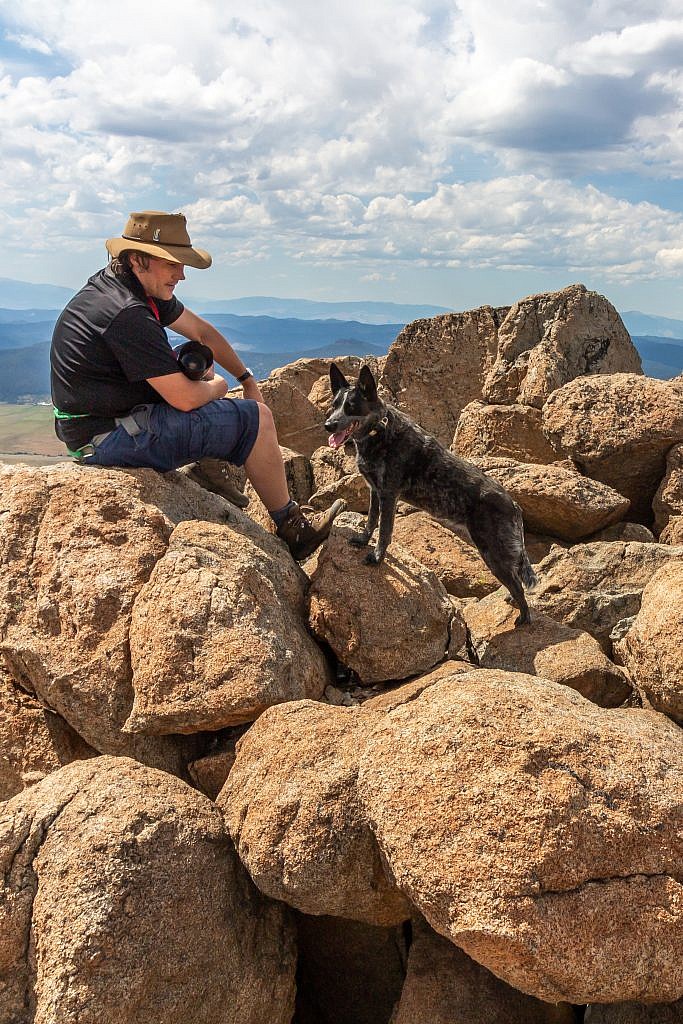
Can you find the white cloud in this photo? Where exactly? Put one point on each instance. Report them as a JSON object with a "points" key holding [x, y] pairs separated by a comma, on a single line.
{"points": [[515, 222], [671, 259], [336, 133], [27, 42], [627, 51]]}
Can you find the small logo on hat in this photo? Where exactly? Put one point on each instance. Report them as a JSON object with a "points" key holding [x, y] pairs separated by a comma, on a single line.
{"points": [[155, 236]]}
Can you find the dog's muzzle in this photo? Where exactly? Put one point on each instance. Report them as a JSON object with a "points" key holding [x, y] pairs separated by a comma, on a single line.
{"points": [[338, 439]]}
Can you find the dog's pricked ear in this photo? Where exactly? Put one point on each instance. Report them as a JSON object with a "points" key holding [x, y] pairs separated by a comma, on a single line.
{"points": [[366, 383], [337, 379]]}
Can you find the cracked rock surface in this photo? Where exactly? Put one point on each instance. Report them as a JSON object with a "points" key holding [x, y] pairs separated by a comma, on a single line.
{"points": [[407, 632], [76, 546], [218, 633], [546, 340], [652, 649], [617, 429], [536, 831], [544, 648], [123, 902], [33, 741], [594, 586], [293, 813]]}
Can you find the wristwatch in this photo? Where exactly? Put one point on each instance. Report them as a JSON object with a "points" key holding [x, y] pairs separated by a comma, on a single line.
{"points": [[244, 376]]}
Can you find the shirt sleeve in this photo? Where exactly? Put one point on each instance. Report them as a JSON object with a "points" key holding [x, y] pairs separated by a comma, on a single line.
{"points": [[139, 344], [169, 310]]}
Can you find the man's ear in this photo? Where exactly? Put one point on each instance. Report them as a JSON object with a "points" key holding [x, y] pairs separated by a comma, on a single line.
{"points": [[366, 383], [337, 379]]}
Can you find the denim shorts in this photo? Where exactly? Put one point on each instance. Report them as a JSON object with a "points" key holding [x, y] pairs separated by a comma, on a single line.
{"points": [[223, 429]]}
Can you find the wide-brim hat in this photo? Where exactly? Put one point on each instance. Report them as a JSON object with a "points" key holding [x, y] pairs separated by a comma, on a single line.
{"points": [[159, 234]]}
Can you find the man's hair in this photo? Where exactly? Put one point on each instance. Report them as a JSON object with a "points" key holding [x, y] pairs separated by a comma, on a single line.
{"points": [[122, 269]]}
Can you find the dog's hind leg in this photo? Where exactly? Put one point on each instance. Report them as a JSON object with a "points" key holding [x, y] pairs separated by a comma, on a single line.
{"points": [[361, 540], [501, 554]]}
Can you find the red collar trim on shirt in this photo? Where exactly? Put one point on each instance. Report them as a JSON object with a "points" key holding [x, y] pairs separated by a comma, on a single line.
{"points": [[153, 306]]}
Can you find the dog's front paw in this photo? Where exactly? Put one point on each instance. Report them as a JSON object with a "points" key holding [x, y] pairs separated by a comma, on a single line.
{"points": [[360, 540], [374, 557]]}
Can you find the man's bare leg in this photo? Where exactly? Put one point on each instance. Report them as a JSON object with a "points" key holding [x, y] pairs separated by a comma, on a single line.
{"points": [[265, 468]]}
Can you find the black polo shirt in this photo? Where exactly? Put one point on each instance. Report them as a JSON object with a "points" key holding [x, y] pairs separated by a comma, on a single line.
{"points": [[105, 345]]}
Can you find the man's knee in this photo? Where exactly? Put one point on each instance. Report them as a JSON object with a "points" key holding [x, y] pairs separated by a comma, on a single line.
{"points": [[266, 423]]}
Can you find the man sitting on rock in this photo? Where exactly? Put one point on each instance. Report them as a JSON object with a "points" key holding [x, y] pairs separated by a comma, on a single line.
{"points": [[119, 394]]}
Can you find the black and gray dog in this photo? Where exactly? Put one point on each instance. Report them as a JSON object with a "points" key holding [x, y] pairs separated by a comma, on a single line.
{"points": [[400, 460]]}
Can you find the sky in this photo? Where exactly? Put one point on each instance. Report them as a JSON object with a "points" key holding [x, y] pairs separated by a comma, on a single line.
{"points": [[407, 150]]}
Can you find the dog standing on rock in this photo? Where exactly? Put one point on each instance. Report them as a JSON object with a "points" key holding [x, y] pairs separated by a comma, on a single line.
{"points": [[400, 460]]}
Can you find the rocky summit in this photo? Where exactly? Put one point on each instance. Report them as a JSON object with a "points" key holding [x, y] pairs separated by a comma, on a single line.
{"points": [[236, 790]]}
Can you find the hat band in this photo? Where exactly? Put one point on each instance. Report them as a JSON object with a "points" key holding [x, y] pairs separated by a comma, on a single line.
{"points": [[176, 245]]}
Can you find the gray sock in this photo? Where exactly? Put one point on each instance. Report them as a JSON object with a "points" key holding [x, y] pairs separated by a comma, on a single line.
{"points": [[280, 514]]}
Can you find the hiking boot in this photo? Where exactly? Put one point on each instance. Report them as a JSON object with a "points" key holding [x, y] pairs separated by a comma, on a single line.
{"points": [[215, 475], [303, 534]]}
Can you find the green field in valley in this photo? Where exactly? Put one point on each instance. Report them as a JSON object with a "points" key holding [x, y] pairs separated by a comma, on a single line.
{"points": [[28, 430]]}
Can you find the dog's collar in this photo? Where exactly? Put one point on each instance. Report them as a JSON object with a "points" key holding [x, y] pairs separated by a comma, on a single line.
{"points": [[382, 423]]}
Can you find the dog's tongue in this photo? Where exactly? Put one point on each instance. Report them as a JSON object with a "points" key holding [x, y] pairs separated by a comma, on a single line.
{"points": [[337, 440]]}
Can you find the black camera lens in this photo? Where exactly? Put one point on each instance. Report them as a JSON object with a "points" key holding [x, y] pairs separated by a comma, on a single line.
{"points": [[194, 359]]}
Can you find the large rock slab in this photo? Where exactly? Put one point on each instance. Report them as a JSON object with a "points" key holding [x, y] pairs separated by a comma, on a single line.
{"points": [[668, 501], [544, 648], [547, 340], [76, 547], [352, 489], [291, 806], [436, 367], [444, 986], [557, 500], [298, 423], [456, 562], [536, 831], [593, 586], [652, 649], [320, 394], [218, 634], [386, 621], [502, 431], [331, 464], [123, 901], [617, 429], [673, 531], [312, 376], [33, 741]]}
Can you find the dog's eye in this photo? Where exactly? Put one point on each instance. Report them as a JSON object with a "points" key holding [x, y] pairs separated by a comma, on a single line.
{"points": [[347, 409]]}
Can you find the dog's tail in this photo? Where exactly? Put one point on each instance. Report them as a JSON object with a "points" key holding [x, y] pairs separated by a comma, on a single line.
{"points": [[526, 573]]}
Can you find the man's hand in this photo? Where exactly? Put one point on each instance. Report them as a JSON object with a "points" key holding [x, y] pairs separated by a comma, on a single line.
{"points": [[185, 394], [250, 389]]}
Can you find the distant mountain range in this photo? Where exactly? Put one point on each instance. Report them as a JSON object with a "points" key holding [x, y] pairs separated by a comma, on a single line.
{"points": [[43, 301], [35, 300], [643, 324], [306, 309], [270, 332], [24, 295]]}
